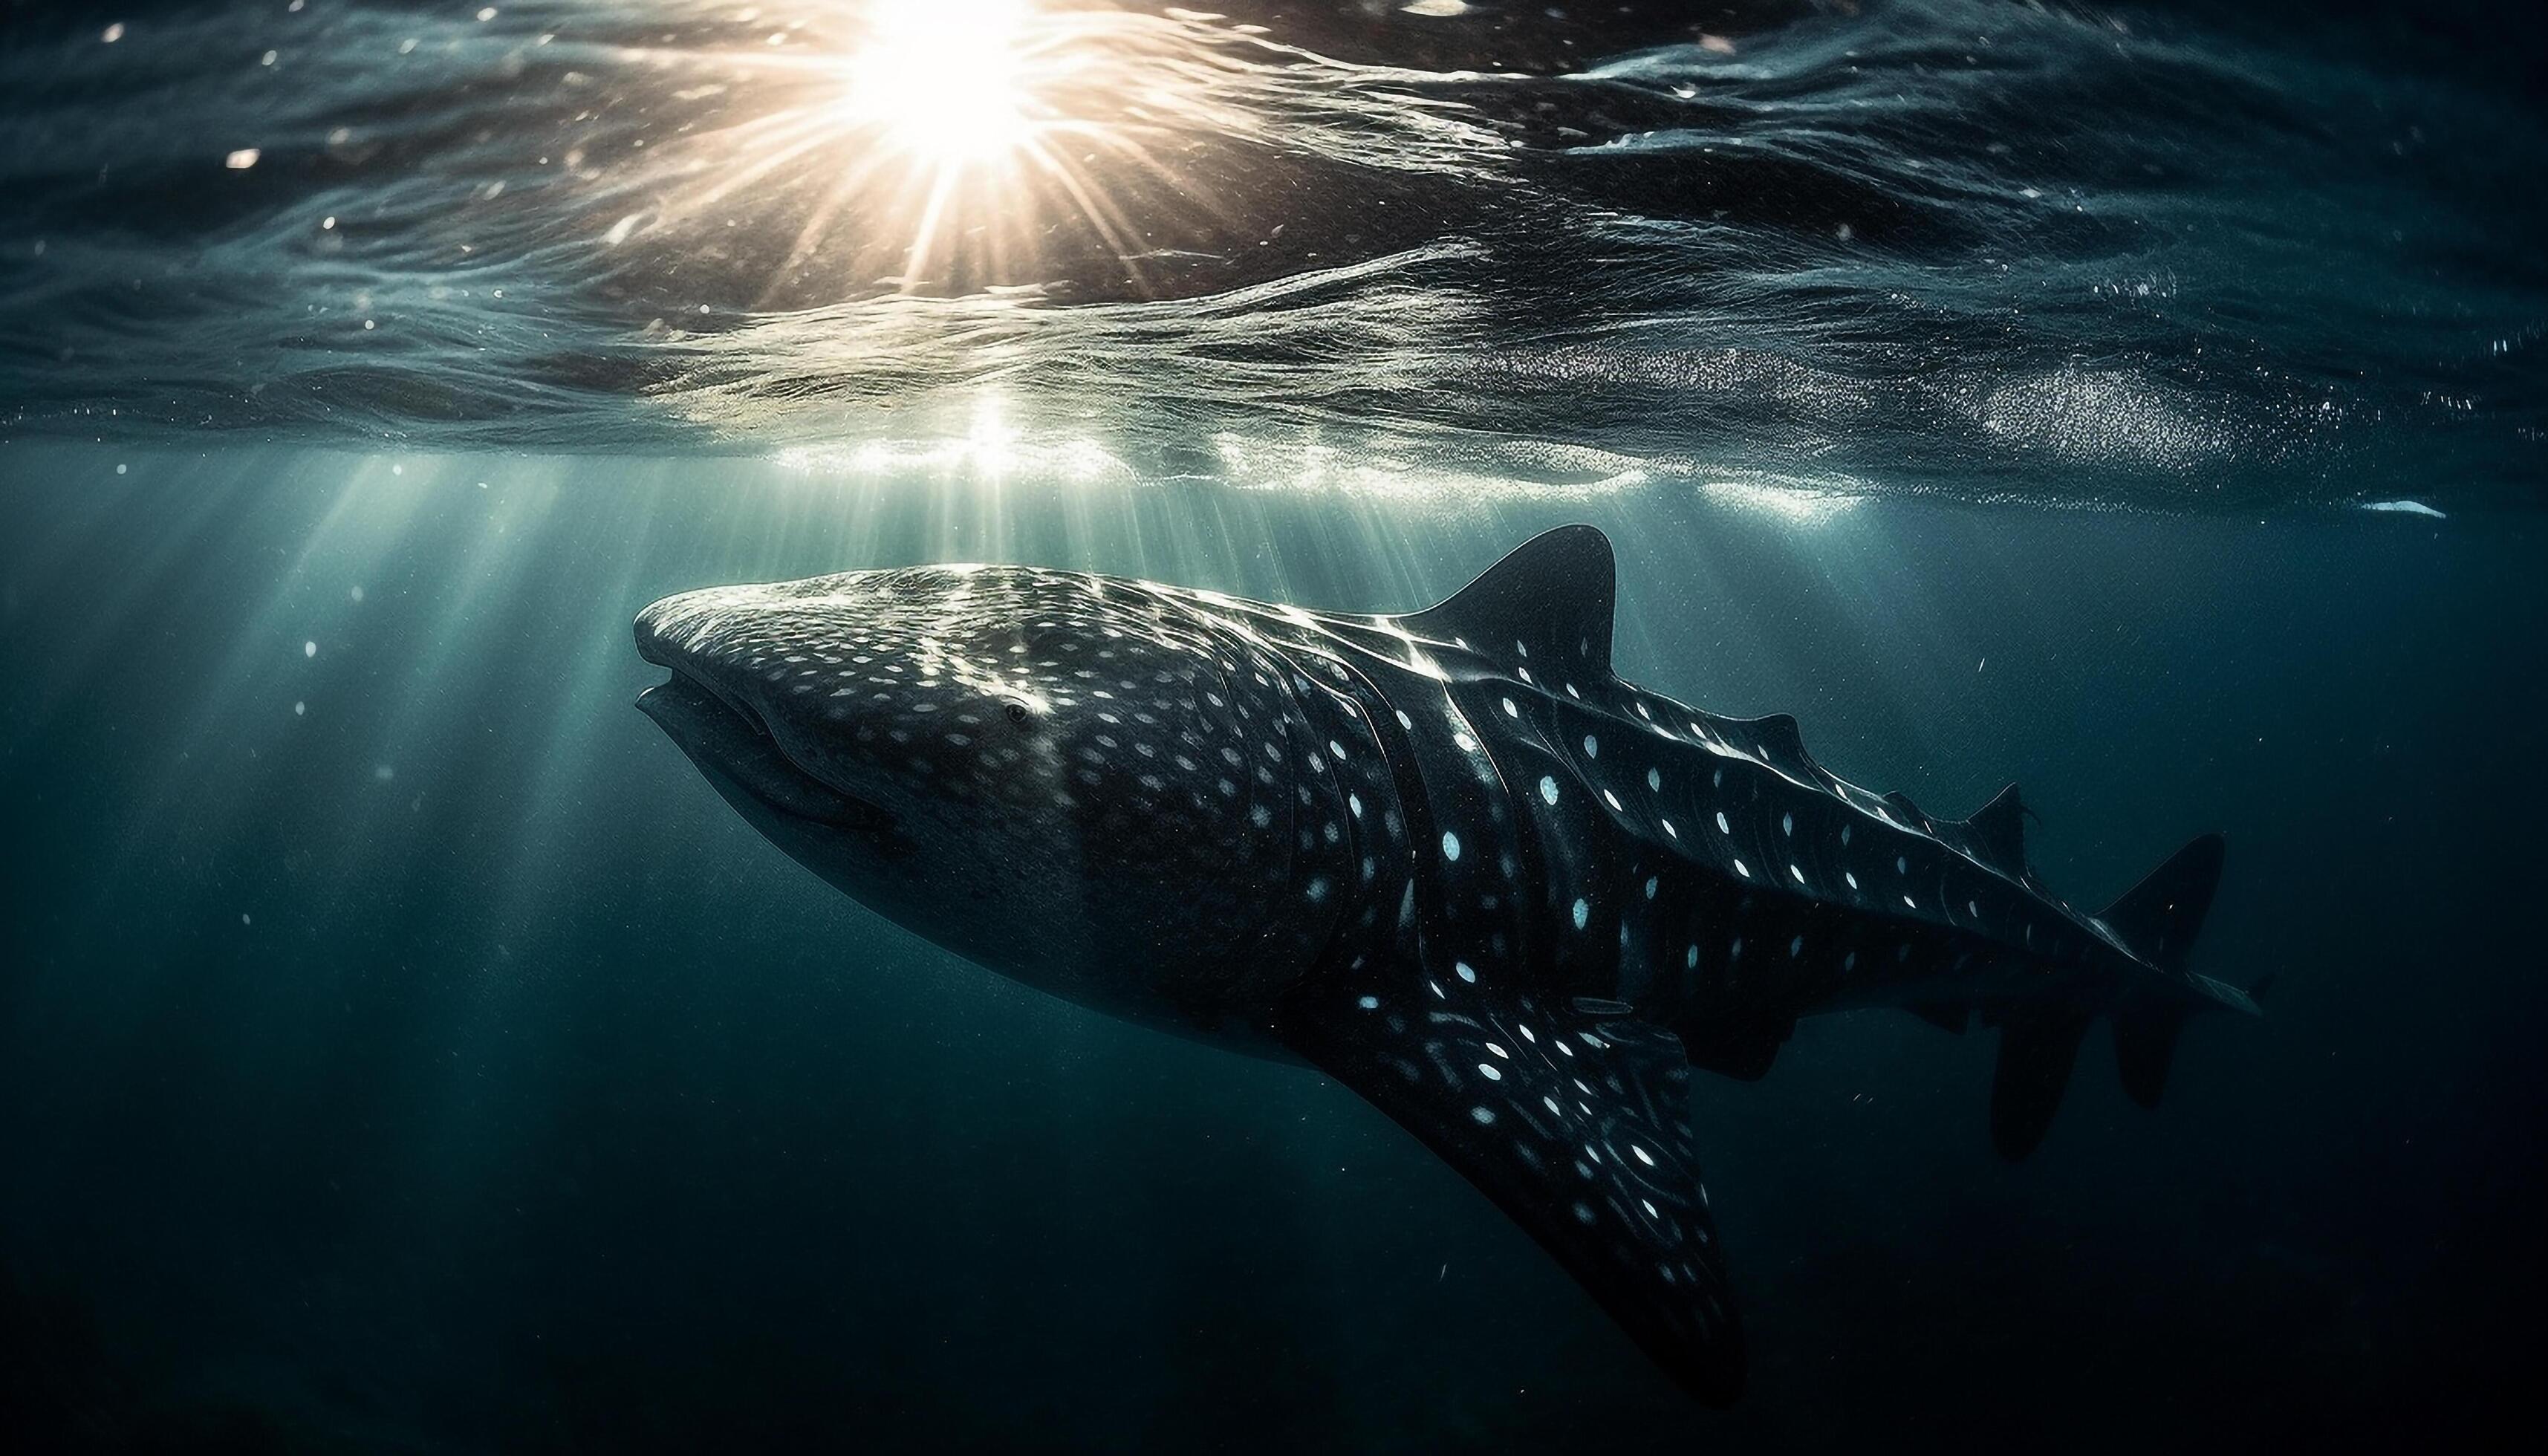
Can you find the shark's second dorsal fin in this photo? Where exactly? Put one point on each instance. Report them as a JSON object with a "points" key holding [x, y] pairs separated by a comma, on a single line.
{"points": [[2160, 917], [1776, 739], [1996, 834], [1547, 605]]}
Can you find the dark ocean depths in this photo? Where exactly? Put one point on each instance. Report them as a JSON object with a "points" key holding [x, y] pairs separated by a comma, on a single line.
{"points": [[403, 1049]]}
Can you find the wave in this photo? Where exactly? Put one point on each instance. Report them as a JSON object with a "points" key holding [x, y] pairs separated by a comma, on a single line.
{"points": [[2107, 257]]}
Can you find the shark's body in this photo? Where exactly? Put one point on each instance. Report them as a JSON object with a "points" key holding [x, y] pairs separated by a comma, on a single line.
{"points": [[1447, 857]]}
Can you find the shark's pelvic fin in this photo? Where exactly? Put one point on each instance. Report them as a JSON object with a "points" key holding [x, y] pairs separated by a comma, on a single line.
{"points": [[1547, 605], [1741, 1048], [2158, 921], [2146, 1029], [1574, 1124], [2037, 1046]]}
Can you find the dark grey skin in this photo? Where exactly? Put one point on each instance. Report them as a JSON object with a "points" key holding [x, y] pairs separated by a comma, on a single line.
{"points": [[1447, 857]]}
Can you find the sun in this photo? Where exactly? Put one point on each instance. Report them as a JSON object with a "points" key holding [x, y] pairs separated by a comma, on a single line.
{"points": [[948, 146], [942, 79]]}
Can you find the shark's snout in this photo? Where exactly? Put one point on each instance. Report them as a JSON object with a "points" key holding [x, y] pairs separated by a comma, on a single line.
{"points": [[710, 708], [679, 632]]}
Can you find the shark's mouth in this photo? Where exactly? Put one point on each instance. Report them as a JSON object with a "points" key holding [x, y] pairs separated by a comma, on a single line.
{"points": [[729, 740]]}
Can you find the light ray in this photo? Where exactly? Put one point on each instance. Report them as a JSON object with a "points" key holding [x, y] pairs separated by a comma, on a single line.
{"points": [[943, 146]]}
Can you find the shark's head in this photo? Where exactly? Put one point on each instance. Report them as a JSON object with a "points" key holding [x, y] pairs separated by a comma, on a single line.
{"points": [[1066, 777]]}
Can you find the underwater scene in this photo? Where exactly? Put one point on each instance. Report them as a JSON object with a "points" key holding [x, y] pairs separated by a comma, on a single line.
{"points": [[1371, 725]]}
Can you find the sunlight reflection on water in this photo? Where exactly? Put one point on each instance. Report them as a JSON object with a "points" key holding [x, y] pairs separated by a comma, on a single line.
{"points": [[1941, 248]]}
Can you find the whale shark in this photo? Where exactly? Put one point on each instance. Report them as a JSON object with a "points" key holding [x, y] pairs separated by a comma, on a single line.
{"points": [[1447, 857]]}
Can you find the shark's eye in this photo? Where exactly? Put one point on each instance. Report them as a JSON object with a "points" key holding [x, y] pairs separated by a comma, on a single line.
{"points": [[1017, 712]]}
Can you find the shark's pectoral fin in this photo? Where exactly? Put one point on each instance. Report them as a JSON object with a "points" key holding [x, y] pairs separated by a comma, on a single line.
{"points": [[1574, 1121]]}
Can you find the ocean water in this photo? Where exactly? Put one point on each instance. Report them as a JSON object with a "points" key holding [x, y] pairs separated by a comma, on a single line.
{"points": [[403, 1049]]}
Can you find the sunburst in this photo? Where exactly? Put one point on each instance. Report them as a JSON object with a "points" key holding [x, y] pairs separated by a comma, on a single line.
{"points": [[910, 141], [944, 80]]}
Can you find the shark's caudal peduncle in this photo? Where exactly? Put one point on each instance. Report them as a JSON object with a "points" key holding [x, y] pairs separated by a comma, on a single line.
{"points": [[1448, 858]]}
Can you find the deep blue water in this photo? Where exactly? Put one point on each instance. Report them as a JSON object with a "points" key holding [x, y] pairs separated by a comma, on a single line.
{"points": [[403, 1049]]}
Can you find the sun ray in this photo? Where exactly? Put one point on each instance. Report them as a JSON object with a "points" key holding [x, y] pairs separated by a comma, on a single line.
{"points": [[955, 144]]}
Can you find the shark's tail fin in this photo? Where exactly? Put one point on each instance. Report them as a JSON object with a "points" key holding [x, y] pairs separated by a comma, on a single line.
{"points": [[2158, 921]]}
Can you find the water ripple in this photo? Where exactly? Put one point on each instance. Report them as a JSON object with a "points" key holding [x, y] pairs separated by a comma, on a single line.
{"points": [[2103, 257]]}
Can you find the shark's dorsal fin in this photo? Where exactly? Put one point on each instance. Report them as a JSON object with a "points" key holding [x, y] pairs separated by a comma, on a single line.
{"points": [[1916, 817], [1996, 834], [1547, 605], [1775, 737]]}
